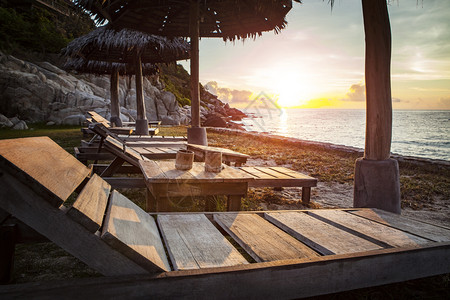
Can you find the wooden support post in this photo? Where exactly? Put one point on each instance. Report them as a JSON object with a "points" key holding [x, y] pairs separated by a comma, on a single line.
{"points": [[195, 90], [141, 122], [378, 80], [377, 179], [114, 95], [196, 134]]}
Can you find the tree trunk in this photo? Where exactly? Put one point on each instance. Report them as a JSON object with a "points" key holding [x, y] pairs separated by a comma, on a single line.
{"points": [[377, 177], [378, 85], [141, 121], [195, 90], [115, 105]]}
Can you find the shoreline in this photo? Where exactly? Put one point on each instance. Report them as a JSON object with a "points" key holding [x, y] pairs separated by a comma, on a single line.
{"points": [[329, 146]]}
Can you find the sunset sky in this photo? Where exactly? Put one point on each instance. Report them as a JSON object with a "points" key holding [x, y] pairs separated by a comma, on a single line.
{"points": [[318, 61]]}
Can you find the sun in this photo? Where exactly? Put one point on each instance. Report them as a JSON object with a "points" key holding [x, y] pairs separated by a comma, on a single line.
{"points": [[295, 90]]}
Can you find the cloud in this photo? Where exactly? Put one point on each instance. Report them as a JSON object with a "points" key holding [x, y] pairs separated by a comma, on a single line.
{"points": [[228, 95], [444, 102], [398, 100], [356, 93]]}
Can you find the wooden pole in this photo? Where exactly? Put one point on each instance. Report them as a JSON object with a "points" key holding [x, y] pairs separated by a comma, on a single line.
{"points": [[195, 90], [377, 176], [378, 85], [141, 121], [140, 106], [115, 106]]}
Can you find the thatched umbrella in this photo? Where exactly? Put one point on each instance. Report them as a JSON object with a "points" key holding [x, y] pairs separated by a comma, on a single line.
{"points": [[227, 19], [123, 52]]}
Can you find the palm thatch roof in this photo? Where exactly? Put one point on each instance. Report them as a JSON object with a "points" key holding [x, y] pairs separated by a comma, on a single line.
{"points": [[106, 68], [108, 45], [229, 19]]}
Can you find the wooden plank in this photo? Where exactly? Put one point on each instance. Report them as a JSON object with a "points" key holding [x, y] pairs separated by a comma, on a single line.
{"points": [[432, 232], [135, 138], [292, 173], [133, 232], [193, 243], [30, 207], [257, 173], [368, 228], [125, 152], [90, 206], [151, 171], [47, 163], [262, 240], [322, 237], [292, 279], [274, 173]]}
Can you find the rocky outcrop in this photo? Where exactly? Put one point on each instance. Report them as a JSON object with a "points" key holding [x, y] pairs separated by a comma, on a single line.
{"points": [[41, 92]]}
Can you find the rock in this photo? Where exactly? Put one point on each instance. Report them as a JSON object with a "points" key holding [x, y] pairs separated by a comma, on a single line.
{"points": [[42, 92], [74, 120], [21, 125], [215, 120], [14, 120], [5, 122], [50, 123], [170, 120]]}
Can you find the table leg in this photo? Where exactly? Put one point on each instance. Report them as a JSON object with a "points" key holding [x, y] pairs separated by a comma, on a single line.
{"points": [[234, 202], [150, 204], [306, 194], [162, 204], [210, 204]]}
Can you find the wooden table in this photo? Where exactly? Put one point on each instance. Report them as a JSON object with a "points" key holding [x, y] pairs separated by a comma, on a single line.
{"points": [[228, 156], [164, 182], [281, 177]]}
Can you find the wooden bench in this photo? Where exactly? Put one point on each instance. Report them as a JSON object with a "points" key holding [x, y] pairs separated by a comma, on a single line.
{"points": [[292, 254], [228, 156]]}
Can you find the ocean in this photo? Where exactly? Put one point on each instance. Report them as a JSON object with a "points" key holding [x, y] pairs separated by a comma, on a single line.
{"points": [[418, 133]]}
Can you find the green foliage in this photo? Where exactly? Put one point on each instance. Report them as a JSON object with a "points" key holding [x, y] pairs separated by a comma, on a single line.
{"points": [[37, 30], [177, 81]]}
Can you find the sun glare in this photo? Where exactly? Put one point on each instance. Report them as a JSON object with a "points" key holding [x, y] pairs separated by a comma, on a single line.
{"points": [[294, 90]]}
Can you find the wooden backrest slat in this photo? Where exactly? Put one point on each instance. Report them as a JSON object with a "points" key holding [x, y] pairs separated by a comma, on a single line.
{"points": [[134, 233], [47, 163], [90, 206], [129, 154]]}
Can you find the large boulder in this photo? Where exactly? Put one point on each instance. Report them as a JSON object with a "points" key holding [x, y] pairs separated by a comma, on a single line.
{"points": [[215, 120]]}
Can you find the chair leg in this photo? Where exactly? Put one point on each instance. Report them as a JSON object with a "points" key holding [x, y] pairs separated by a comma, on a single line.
{"points": [[7, 247], [113, 167]]}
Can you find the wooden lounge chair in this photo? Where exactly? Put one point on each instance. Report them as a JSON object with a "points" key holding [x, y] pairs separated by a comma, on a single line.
{"points": [[293, 254], [151, 147], [99, 119], [96, 118]]}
